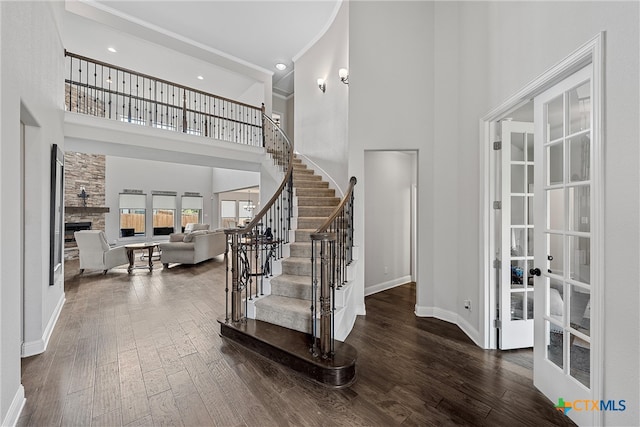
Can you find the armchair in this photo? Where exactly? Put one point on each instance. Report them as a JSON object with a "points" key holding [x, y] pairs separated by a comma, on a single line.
{"points": [[95, 252]]}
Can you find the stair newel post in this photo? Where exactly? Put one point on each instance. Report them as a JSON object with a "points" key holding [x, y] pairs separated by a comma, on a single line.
{"points": [[314, 290], [236, 297], [327, 243], [226, 282], [332, 285]]}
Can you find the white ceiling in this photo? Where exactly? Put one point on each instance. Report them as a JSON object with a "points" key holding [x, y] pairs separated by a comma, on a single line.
{"points": [[259, 32]]}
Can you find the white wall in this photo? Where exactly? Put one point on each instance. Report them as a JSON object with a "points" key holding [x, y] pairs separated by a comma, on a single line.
{"points": [[30, 73], [390, 176], [391, 107], [289, 126], [229, 180], [422, 75], [321, 118], [149, 176]]}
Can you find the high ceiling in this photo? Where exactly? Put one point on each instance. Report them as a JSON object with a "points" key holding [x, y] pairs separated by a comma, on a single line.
{"points": [[259, 32]]}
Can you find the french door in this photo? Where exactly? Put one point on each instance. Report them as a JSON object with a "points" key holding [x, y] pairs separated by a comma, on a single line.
{"points": [[564, 243], [516, 283]]}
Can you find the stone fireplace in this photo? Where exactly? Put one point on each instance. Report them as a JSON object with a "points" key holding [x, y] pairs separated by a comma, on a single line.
{"points": [[83, 171]]}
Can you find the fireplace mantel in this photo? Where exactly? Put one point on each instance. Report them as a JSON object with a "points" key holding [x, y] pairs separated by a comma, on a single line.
{"points": [[86, 210]]}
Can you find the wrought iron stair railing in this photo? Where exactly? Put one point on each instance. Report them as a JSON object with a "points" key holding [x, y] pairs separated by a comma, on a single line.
{"points": [[104, 90], [254, 247], [331, 254]]}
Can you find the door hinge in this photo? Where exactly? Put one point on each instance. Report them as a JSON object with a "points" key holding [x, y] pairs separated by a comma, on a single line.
{"points": [[497, 263], [497, 145], [497, 205], [497, 323]]}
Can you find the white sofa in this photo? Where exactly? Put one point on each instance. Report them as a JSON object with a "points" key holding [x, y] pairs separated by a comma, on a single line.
{"points": [[95, 252], [193, 247]]}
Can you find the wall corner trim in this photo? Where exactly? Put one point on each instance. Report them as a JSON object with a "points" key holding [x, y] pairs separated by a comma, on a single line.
{"points": [[17, 404], [32, 348]]}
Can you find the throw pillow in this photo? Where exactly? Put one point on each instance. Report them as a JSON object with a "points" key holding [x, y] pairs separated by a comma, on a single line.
{"points": [[198, 227], [176, 237], [188, 238]]}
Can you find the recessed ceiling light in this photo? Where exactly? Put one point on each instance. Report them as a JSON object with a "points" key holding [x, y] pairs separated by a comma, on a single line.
{"points": [[280, 66], [111, 49], [200, 78]]}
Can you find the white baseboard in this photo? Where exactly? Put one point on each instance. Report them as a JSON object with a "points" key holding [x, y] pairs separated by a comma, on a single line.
{"points": [[471, 332], [450, 317], [11, 419], [31, 348], [373, 289]]}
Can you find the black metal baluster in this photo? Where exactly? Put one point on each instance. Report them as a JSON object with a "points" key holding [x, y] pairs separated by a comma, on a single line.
{"points": [[79, 88], [71, 83], [129, 109], [206, 118]]}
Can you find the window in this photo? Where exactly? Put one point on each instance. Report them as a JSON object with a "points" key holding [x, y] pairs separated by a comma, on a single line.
{"points": [[164, 214], [133, 214], [228, 213], [191, 210]]}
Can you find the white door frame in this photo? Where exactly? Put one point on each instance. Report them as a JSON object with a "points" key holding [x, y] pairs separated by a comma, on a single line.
{"points": [[591, 52]]}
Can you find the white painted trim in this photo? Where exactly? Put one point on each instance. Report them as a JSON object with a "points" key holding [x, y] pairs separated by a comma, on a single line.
{"points": [[470, 331], [345, 324], [487, 245], [17, 404], [370, 290], [277, 95], [32, 348], [572, 63], [446, 315], [423, 311], [598, 231], [321, 33], [323, 174]]}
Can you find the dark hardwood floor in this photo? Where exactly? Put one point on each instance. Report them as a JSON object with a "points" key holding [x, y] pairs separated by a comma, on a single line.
{"points": [[144, 349]]}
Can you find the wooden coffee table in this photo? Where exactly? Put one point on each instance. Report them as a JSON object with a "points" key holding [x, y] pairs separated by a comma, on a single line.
{"points": [[131, 256]]}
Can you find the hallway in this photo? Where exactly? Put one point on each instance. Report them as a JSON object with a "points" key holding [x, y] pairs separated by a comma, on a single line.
{"points": [[144, 349]]}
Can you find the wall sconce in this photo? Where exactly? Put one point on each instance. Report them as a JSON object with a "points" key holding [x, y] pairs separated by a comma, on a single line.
{"points": [[344, 75], [322, 85]]}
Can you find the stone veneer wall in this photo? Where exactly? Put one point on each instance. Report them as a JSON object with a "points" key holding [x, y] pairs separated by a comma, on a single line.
{"points": [[88, 171]]}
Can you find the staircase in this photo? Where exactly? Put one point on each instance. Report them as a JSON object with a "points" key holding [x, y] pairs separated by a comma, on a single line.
{"points": [[289, 303], [273, 315]]}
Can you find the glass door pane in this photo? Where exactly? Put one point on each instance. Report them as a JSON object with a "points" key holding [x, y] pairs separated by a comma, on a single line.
{"points": [[516, 293], [567, 207]]}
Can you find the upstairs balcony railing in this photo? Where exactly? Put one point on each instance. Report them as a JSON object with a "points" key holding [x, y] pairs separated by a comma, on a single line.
{"points": [[104, 90]]}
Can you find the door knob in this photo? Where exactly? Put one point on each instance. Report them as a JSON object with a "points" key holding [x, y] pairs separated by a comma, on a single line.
{"points": [[534, 271]]}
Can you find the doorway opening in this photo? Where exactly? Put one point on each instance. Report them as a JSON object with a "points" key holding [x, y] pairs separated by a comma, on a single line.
{"points": [[391, 207], [549, 242]]}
